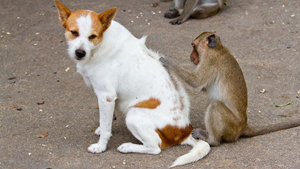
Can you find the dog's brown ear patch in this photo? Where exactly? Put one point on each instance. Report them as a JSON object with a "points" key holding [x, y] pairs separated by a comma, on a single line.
{"points": [[63, 13], [173, 135], [106, 17], [151, 103]]}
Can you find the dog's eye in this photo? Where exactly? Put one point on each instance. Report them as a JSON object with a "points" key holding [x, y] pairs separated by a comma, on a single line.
{"points": [[92, 37], [74, 33]]}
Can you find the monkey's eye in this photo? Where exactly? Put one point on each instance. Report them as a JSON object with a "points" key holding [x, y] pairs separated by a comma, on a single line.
{"points": [[193, 45], [75, 33], [92, 37]]}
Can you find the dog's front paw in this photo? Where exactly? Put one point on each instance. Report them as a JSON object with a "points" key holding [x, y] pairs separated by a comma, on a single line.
{"points": [[125, 148], [97, 131], [96, 148]]}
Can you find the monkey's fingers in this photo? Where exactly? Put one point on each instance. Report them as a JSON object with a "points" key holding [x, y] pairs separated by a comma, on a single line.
{"points": [[164, 61]]}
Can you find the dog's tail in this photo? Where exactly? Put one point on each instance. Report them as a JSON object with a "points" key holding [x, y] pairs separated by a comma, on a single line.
{"points": [[200, 149]]}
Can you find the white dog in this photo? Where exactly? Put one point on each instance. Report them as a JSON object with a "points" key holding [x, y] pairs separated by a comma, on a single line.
{"points": [[126, 75]]}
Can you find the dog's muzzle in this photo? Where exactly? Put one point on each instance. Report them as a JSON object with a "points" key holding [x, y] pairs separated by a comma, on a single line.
{"points": [[80, 54]]}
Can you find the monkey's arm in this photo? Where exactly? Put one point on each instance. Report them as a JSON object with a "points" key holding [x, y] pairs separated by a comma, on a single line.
{"points": [[189, 77], [203, 75]]}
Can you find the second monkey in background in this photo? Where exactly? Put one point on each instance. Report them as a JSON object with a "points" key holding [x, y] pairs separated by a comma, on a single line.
{"points": [[198, 9]]}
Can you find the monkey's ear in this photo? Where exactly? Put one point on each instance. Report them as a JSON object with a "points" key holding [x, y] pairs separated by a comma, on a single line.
{"points": [[212, 41]]}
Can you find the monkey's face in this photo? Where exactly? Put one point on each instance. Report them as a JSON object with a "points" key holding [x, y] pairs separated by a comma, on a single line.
{"points": [[195, 56], [203, 42]]}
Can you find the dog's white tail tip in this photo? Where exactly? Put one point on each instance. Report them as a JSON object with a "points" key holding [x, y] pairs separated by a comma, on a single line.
{"points": [[200, 149]]}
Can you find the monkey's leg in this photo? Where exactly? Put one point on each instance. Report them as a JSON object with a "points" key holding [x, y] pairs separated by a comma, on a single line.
{"points": [[179, 4], [206, 10], [186, 13], [221, 124]]}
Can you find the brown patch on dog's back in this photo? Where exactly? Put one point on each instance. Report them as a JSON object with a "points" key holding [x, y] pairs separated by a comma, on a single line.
{"points": [[151, 103], [173, 135]]}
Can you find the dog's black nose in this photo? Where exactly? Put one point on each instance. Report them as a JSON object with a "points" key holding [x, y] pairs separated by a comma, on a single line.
{"points": [[80, 53]]}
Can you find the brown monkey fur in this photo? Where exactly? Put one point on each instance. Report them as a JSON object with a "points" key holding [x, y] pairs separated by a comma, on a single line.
{"points": [[199, 9], [219, 73]]}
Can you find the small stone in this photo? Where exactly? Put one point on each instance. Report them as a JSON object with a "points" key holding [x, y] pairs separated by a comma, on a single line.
{"points": [[262, 91], [155, 4]]}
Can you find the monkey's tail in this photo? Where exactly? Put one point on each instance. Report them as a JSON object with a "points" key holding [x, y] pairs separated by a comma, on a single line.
{"points": [[255, 131], [200, 149]]}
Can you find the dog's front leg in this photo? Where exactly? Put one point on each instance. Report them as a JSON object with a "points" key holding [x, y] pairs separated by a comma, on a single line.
{"points": [[106, 101]]}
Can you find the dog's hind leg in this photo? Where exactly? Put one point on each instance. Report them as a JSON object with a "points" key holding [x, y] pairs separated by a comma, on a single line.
{"points": [[142, 127]]}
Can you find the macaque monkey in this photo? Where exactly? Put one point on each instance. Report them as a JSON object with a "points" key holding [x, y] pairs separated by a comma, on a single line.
{"points": [[219, 73], [199, 9]]}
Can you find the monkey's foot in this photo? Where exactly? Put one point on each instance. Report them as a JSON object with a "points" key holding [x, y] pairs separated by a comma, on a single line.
{"points": [[199, 133], [171, 13], [176, 21]]}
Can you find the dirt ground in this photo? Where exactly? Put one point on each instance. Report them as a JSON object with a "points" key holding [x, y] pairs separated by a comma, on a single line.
{"points": [[41, 91]]}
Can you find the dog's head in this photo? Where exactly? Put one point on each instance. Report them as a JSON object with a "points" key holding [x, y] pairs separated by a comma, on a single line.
{"points": [[83, 29]]}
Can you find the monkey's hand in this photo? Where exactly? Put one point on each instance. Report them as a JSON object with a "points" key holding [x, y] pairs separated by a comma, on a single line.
{"points": [[165, 62], [172, 13]]}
